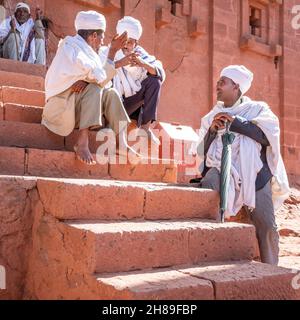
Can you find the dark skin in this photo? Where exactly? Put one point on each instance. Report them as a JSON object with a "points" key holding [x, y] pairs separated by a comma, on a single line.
{"points": [[22, 15], [133, 59], [96, 41], [229, 93]]}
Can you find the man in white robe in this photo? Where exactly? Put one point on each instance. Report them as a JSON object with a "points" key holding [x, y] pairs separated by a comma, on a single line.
{"points": [[258, 178], [139, 77], [21, 38], [75, 86]]}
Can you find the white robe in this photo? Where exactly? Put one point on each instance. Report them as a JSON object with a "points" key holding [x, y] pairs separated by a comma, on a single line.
{"points": [[246, 162], [128, 80], [24, 30], [75, 60]]}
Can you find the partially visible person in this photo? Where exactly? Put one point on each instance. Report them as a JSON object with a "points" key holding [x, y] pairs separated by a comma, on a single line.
{"points": [[139, 77], [21, 38]]}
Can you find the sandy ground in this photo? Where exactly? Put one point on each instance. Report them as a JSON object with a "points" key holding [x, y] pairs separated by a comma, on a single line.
{"points": [[288, 221]]}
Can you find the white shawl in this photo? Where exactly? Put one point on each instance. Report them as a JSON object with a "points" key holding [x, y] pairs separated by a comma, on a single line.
{"points": [[75, 60], [128, 80], [246, 162], [24, 30]]}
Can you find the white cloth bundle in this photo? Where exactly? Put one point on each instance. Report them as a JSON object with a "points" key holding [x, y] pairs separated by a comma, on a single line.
{"points": [[90, 20], [246, 162], [132, 26]]}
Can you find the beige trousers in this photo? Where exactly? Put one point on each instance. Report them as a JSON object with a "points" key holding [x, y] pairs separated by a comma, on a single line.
{"points": [[89, 113]]}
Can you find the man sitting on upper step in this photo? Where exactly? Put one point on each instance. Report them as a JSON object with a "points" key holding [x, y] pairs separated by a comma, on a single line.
{"points": [[139, 77], [258, 178], [21, 38], [75, 87]]}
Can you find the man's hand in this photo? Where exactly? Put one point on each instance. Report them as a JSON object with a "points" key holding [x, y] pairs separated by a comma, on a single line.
{"points": [[138, 61], [13, 24], [223, 116], [79, 86], [117, 43], [38, 13], [219, 121], [127, 60]]}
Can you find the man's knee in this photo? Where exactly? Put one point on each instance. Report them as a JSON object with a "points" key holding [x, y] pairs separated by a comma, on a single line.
{"points": [[93, 89], [154, 82], [211, 180]]}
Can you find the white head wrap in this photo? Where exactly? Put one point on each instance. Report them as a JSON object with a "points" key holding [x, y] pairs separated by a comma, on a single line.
{"points": [[132, 26], [90, 20], [22, 5], [240, 75]]}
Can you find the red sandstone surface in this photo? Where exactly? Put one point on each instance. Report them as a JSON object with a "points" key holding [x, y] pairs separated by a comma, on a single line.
{"points": [[288, 221]]}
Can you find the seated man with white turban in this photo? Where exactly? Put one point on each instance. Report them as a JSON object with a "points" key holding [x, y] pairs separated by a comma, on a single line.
{"points": [[75, 86], [258, 180], [21, 38], [139, 77]]}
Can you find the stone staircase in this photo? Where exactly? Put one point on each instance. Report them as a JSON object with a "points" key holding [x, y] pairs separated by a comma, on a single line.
{"points": [[117, 231]]}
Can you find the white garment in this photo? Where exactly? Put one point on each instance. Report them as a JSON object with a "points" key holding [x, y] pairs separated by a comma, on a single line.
{"points": [[128, 80], [75, 60], [90, 20], [24, 30], [239, 75], [132, 26], [246, 162]]}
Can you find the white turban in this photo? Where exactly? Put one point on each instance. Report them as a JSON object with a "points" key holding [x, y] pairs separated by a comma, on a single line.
{"points": [[132, 26], [90, 20], [239, 75], [23, 5]]}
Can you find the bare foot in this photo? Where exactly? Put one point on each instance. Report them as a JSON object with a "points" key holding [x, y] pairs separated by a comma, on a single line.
{"points": [[84, 155]]}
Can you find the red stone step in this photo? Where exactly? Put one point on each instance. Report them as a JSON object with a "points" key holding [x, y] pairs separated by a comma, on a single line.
{"points": [[22, 67], [137, 245], [22, 96], [241, 280], [120, 200], [22, 113], [63, 164], [29, 135], [35, 135], [15, 79]]}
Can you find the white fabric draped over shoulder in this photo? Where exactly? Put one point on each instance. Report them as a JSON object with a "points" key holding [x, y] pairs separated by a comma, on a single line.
{"points": [[246, 162], [24, 31], [128, 80], [75, 60]]}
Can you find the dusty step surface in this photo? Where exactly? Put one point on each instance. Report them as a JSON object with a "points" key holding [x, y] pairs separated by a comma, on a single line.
{"points": [[19, 80], [239, 280], [115, 200], [63, 164], [23, 96], [21, 113], [22, 67], [136, 245], [37, 136]]}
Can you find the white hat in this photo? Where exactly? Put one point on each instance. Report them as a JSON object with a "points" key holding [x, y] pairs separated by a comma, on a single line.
{"points": [[239, 75], [22, 5], [132, 26], [90, 20]]}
